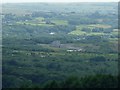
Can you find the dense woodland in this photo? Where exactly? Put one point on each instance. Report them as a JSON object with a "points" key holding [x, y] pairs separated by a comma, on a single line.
{"points": [[60, 45]]}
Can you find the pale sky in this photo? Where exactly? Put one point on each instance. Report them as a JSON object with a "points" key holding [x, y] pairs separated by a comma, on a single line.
{"points": [[19, 1]]}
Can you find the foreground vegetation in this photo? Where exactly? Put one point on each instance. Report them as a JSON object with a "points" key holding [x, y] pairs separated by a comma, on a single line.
{"points": [[97, 81]]}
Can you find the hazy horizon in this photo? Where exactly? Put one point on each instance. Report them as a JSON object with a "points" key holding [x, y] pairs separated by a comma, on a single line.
{"points": [[52, 1]]}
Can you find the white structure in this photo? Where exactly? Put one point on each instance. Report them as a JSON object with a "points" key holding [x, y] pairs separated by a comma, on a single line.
{"points": [[52, 33]]}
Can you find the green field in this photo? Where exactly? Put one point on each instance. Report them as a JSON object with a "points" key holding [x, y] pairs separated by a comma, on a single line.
{"points": [[90, 27], [99, 26], [40, 21], [60, 22]]}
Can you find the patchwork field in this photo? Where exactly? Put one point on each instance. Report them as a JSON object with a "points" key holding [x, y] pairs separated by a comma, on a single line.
{"points": [[89, 31]]}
